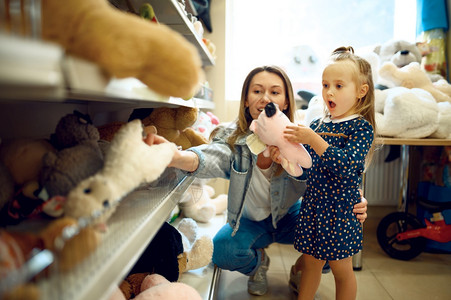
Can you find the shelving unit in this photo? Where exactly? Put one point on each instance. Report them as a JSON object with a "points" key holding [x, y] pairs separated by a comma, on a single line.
{"points": [[42, 85], [130, 229]]}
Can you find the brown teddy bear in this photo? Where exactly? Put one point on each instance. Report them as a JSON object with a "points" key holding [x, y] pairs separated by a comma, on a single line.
{"points": [[174, 125], [124, 45]]}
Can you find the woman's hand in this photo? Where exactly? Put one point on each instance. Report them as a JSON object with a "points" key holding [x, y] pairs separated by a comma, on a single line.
{"points": [[274, 153], [361, 208]]}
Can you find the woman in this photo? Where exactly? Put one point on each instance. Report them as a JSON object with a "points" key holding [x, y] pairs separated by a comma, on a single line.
{"points": [[263, 200]]}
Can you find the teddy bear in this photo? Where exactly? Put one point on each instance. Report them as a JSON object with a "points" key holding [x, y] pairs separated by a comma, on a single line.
{"points": [[153, 53], [198, 202], [130, 161], [269, 127], [20, 166], [412, 76], [399, 52], [78, 157], [399, 115], [174, 125]]}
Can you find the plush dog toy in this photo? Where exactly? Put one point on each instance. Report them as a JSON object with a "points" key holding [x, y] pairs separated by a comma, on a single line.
{"points": [[129, 162], [269, 128], [124, 44]]}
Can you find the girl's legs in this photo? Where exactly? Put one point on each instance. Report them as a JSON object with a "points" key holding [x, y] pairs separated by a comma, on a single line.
{"points": [[310, 276], [345, 282]]}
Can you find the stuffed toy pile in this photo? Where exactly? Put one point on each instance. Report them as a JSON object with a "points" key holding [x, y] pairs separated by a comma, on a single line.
{"points": [[269, 127], [409, 102], [198, 202], [124, 45], [173, 251], [129, 162]]}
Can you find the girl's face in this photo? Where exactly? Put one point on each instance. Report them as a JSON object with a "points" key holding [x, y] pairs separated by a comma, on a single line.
{"points": [[265, 87], [339, 89]]}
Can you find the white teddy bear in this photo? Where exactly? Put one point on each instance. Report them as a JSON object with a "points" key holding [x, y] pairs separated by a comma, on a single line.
{"points": [[197, 202]]}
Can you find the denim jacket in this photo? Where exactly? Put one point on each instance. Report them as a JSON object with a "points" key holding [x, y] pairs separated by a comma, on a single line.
{"points": [[217, 160]]}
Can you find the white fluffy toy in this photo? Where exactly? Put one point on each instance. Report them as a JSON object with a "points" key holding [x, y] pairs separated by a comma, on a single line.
{"points": [[129, 162]]}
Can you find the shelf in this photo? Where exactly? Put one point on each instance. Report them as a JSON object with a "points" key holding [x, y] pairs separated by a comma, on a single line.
{"points": [[171, 13], [56, 77], [130, 229]]}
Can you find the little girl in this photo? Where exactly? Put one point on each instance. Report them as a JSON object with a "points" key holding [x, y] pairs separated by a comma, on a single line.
{"points": [[340, 145]]}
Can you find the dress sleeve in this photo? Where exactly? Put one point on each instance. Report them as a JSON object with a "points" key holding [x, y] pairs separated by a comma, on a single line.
{"points": [[350, 159]]}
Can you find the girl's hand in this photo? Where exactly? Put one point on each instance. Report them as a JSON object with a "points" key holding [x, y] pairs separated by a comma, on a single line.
{"points": [[298, 134], [361, 208]]}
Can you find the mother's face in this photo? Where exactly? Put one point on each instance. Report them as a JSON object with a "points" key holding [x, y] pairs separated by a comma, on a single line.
{"points": [[265, 87]]}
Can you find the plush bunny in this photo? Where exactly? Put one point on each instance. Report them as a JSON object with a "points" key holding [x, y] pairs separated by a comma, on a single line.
{"points": [[269, 128], [129, 162]]}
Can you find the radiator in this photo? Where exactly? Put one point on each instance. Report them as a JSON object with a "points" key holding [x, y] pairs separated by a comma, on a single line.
{"points": [[382, 181]]}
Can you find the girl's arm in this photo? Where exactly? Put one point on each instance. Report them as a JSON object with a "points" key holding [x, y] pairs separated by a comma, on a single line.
{"points": [[305, 135]]}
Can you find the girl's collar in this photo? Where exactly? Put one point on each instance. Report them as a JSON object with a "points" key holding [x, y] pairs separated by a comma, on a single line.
{"points": [[327, 119]]}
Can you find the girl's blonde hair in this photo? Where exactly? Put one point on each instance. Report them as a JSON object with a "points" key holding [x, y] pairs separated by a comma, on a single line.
{"points": [[363, 75]]}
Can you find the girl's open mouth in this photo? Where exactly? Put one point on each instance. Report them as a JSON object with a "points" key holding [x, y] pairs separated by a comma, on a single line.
{"points": [[332, 104]]}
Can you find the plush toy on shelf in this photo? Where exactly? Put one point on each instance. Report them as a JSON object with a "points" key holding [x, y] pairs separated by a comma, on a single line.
{"points": [[124, 45], [412, 76], [78, 157], [198, 202], [156, 287], [21, 164], [129, 162], [174, 124], [173, 251], [269, 127]]}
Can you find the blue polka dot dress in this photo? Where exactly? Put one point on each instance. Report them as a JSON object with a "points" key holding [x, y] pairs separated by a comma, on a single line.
{"points": [[327, 228]]}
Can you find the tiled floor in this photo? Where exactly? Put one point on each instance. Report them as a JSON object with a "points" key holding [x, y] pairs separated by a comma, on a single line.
{"points": [[428, 276]]}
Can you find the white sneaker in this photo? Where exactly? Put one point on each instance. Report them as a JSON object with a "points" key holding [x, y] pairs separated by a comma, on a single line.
{"points": [[258, 283]]}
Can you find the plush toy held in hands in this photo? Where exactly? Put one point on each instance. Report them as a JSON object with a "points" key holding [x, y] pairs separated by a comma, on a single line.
{"points": [[269, 128]]}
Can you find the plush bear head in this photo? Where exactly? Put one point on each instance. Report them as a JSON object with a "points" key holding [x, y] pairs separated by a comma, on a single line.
{"points": [[174, 125], [74, 129], [399, 52]]}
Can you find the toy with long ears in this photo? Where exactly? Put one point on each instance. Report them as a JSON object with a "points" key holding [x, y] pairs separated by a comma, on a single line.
{"points": [[269, 127], [129, 162]]}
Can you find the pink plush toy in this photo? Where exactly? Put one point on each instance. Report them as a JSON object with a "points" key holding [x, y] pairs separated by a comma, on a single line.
{"points": [[157, 287], [269, 128]]}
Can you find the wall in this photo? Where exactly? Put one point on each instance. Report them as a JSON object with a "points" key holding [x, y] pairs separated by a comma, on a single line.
{"points": [[216, 74]]}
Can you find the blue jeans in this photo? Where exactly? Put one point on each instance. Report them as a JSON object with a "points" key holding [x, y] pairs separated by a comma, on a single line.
{"points": [[239, 253]]}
